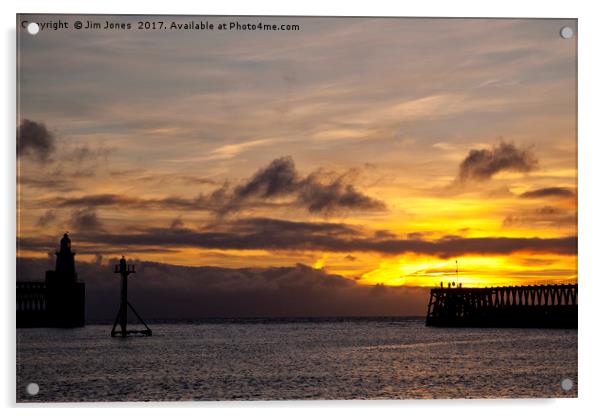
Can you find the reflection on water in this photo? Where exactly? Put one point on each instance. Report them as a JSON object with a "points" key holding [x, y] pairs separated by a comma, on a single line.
{"points": [[354, 359]]}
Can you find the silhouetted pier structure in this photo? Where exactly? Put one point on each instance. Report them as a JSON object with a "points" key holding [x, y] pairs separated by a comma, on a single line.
{"points": [[533, 306], [59, 301], [122, 314]]}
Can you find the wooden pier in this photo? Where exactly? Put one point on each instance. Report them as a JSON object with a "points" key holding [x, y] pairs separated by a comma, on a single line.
{"points": [[534, 306]]}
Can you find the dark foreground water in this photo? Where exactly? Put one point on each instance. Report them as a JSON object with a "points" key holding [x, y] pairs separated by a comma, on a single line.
{"points": [[354, 359]]}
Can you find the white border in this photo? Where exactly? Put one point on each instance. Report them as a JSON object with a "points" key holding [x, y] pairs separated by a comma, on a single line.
{"points": [[590, 173]]}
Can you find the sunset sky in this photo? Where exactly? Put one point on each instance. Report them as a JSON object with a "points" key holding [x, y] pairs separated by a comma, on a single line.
{"points": [[377, 149]]}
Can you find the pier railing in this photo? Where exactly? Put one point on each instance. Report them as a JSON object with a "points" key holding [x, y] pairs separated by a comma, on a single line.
{"points": [[40, 304], [31, 304], [31, 296]]}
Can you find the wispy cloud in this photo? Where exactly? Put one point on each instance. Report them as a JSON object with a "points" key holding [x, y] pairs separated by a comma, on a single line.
{"points": [[229, 151]]}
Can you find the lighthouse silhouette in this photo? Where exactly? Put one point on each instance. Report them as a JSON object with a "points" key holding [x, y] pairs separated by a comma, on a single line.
{"points": [[65, 296]]}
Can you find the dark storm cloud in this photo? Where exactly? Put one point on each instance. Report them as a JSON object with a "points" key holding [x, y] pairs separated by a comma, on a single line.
{"points": [[318, 193], [546, 216], [550, 211], [51, 183], [177, 223], [142, 175], [292, 228], [47, 218], [34, 139], [195, 180], [334, 196], [123, 201], [549, 192], [417, 235], [262, 234], [98, 200], [86, 153], [85, 220], [482, 164], [42, 244], [168, 291], [50, 244], [278, 178]]}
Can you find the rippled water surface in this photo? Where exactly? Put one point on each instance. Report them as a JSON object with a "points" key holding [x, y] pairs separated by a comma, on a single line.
{"points": [[355, 359]]}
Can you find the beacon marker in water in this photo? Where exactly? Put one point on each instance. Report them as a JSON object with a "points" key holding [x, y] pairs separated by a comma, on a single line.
{"points": [[122, 314]]}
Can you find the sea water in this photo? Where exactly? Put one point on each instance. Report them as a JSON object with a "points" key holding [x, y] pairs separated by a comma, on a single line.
{"points": [[292, 359]]}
